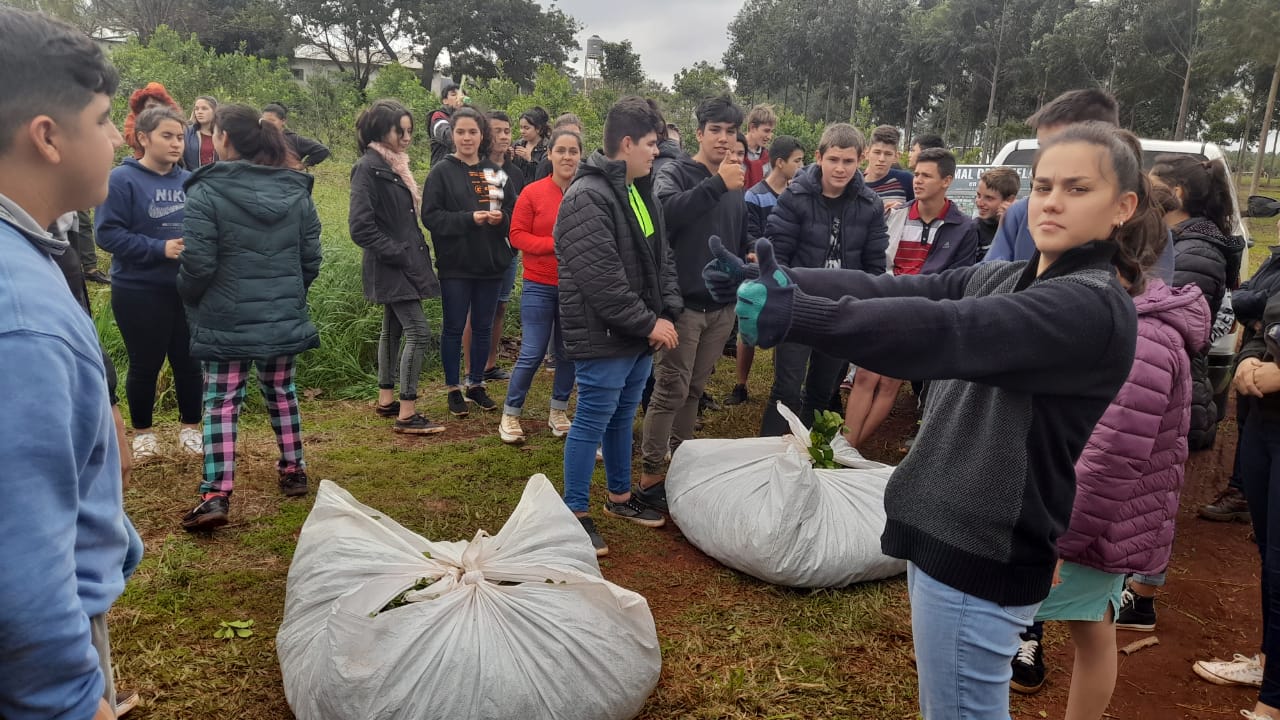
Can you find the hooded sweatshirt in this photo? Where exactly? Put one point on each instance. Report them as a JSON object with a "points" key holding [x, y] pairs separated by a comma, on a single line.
{"points": [[453, 193], [252, 250], [65, 540], [1130, 474], [143, 210], [137, 103], [696, 205]]}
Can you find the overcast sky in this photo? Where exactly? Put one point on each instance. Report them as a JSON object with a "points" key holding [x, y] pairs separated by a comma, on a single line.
{"points": [[667, 34]]}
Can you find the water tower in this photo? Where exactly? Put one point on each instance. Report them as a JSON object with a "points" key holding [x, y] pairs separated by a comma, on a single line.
{"points": [[591, 71]]}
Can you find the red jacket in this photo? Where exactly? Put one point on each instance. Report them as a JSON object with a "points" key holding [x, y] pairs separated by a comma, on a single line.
{"points": [[532, 223], [755, 168]]}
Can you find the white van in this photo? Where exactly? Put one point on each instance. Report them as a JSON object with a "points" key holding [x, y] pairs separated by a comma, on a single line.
{"points": [[1222, 354]]}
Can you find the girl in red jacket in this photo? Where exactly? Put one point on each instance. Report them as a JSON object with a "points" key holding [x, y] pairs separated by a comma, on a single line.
{"points": [[531, 225]]}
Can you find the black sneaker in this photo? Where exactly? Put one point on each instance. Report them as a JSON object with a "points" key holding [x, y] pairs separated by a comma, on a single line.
{"points": [[655, 496], [210, 514], [597, 542], [1229, 506], [97, 276], [477, 395], [635, 511], [497, 373], [293, 484], [706, 402], [457, 404], [390, 410], [1028, 667], [1136, 612], [418, 424], [737, 396]]}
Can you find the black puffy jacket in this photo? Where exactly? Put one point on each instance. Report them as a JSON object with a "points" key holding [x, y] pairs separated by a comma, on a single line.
{"points": [[397, 262], [1203, 256], [800, 226], [614, 283]]}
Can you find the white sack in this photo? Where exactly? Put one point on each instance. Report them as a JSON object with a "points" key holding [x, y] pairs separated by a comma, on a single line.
{"points": [[759, 506], [564, 644]]}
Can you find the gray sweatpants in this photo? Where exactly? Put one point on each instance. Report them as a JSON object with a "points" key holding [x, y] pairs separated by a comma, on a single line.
{"points": [[102, 643]]}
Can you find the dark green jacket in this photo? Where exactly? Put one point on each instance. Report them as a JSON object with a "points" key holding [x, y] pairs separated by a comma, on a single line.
{"points": [[252, 248]]}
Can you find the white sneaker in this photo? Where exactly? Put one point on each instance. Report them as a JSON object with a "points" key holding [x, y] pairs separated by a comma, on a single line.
{"points": [[191, 441], [1251, 715], [144, 447], [558, 421], [599, 455], [1240, 671], [509, 430]]}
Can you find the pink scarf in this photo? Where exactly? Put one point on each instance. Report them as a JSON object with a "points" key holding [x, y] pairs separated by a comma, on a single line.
{"points": [[399, 162]]}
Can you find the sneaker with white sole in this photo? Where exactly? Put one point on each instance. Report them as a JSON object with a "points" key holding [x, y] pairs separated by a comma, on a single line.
{"points": [[191, 441], [145, 447], [559, 422], [509, 429], [1241, 670], [634, 511]]}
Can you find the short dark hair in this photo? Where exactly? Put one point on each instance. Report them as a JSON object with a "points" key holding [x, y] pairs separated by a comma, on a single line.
{"points": [[929, 140], [498, 115], [782, 148], [1074, 106], [481, 121], [258, 142], [886, 134], [447, 88], [630, 117], [380, 118], [148, 120], [277, 109], [719, 109], [1002, 180], [742, 139], [945, 161], [50, 68]]}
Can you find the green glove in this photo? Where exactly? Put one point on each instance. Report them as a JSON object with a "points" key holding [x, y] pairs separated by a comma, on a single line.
{"points": [[764, 304]]}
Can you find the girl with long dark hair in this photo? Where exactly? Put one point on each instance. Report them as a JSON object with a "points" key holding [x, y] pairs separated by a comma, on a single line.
{"points": [[252, 250], [532, 147]]}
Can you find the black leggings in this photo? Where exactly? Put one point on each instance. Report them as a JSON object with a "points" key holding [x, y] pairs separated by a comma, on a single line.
{"points": [[154, 326]]}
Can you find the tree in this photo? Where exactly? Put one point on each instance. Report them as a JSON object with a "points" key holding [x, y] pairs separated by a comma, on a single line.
{"points": [[258, 27], [703, 80], [143, 17], [621, 69], [355, 35], [477, 33]]}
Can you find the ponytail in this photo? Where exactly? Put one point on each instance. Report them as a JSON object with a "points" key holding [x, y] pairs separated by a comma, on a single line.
{"points": [[1206, 188], [254, 139]]}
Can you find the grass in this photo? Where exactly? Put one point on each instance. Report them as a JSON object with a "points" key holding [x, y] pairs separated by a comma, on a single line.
{"points": [[733, 647]]}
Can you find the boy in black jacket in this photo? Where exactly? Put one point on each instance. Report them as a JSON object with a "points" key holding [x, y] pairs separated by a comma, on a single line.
{"points": [[701, 196], [619, 302], [826, 218]]}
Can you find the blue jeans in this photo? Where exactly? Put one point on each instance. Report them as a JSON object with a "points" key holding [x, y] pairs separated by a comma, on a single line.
{"points": [[1260, 473], [608, 394], [964, 646], [539, 322], [458, 297]]}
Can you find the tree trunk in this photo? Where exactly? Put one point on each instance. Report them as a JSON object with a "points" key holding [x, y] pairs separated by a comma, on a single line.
{"points": [[995, 72], [911, 86], [1266, 129], [428, 57], [1244, 138], [853, 102], [1180, 131], [826, 108]]}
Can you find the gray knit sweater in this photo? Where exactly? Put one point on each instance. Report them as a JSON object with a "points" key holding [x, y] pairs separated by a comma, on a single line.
{"points": [[1024, 368]]}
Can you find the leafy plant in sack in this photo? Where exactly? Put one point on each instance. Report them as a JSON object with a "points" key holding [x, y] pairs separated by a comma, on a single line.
{"points": [[760, 506], [381, 623]]}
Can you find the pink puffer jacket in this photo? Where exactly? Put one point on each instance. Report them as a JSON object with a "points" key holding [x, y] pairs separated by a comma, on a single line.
{"points": [[1130, 474]]}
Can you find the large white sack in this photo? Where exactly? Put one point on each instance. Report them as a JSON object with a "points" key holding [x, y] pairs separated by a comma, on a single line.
{"points": [[759, 506], [563, 644]]}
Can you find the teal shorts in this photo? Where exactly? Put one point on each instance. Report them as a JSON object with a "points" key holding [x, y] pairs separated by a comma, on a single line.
{"points": [[1084, 594]]}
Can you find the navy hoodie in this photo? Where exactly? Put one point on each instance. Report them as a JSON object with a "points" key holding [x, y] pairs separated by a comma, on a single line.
{"points": [[143, 210]]}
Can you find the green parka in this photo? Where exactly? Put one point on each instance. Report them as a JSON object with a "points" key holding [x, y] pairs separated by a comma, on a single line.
{"points": [[252, 248]]}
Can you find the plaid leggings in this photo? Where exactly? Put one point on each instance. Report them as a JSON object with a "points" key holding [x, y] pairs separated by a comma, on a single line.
{"points": [[224, 389]]}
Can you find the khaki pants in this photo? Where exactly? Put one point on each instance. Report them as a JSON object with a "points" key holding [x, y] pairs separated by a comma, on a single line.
{"points": [[102, 643], [679, 377]]}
